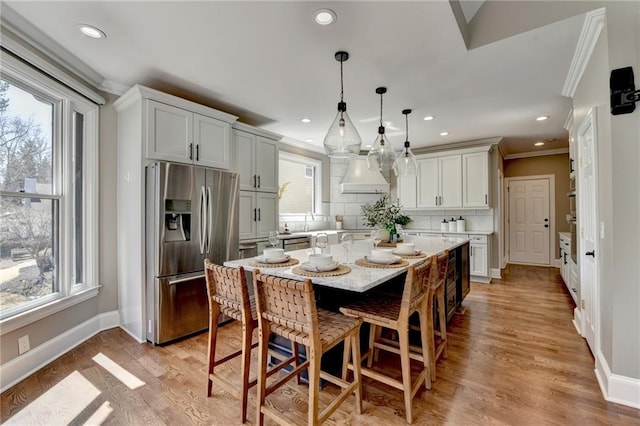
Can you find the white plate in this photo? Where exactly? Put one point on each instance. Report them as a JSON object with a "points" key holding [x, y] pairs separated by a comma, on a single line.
{"points": [[319, 268], [411, 253], [383, 260], [262, 259]]}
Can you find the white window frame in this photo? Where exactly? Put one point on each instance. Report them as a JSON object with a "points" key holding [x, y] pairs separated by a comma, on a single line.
{"points": [[317, 198], [66, 102]]}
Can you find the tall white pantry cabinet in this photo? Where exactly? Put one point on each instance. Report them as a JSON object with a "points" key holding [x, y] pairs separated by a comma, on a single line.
{"points": [[255, 153], [156, 126]]}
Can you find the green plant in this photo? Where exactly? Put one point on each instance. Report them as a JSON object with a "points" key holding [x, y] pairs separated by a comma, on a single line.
{"points": [[383, 213]]}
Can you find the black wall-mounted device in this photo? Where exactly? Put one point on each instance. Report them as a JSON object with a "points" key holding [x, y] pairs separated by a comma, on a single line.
{"points": [[623, 91]]}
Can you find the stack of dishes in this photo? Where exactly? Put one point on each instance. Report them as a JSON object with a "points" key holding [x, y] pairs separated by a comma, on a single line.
{"points": [[273, 255], [319, 262], [382, 257], [406, 249]]}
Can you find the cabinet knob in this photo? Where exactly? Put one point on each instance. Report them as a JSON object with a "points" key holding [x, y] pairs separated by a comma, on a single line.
{"points": [[591, 253]]}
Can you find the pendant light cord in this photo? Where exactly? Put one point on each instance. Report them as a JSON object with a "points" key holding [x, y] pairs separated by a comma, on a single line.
{"points": [[341, 83], [380, 109]]}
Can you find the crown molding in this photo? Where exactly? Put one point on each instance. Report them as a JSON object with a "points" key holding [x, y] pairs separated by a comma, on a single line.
{"points": [[114, 87], [27, 42], [537, 153], [593, 24], [568, 122]]}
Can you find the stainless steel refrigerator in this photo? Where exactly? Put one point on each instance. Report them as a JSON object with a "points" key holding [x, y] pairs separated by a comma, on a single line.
{"points": [[191, 214]]}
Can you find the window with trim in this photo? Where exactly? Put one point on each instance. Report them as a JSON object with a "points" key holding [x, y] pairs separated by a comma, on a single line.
{"points": [[300, 180], [48, 191]]}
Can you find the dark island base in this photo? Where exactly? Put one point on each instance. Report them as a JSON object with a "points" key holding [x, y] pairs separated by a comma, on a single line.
{"points": [[457, 286]]}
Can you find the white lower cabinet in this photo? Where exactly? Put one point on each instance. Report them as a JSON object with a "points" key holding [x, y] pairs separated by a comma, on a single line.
{"points": [[258, 214], [479, 257]]}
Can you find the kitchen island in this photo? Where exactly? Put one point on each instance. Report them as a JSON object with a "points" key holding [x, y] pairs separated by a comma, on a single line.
{"points": [[333, 292], [362, 279]]}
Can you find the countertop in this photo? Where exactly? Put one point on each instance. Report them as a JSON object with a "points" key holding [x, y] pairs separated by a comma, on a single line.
{"points": [[284, 236], [360, 279]]}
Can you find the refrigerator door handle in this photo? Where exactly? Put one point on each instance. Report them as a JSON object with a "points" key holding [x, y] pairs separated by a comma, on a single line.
{"points": [[209, 219], [203, 221], [185, 278]]}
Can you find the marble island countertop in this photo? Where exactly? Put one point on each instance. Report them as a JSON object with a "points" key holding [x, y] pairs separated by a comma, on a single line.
{"points": [[360, 279]]}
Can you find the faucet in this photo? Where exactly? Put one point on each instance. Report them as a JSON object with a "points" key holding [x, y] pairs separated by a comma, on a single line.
{"points": [[306, 227]]}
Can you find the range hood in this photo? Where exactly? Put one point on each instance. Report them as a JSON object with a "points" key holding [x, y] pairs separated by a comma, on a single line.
{"points": [[361, 180]]}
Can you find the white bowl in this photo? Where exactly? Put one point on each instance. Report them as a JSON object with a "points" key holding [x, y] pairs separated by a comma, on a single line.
{"points": [[273, 253], [319, 268], [320, 259], [382, 252], [405, 248]]}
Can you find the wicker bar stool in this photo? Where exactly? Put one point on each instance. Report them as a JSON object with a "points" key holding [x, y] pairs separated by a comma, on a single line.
{"points": [[392, 313], [229, 293], [437, 348], [287, 308]]}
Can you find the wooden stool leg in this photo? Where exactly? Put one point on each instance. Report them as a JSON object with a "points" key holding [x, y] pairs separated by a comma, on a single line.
{"points": [[262, 371], [345, 358], [296, 354], [355, 348], [247, 332], [403, 336], [442, 312], [314, 387], [431, 339], [424, 337], [213, 337], [372, 337]]}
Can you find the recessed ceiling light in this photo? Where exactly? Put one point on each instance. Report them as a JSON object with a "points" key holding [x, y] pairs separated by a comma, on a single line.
{"points": [[309, 140], [539, 143], [429, 118], [551, 140], [542, 118], [444, 134], [91, 31], [325, 16], [367, 146], [306, 120]]}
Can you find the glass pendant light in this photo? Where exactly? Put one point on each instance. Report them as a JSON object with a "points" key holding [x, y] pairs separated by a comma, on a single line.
{"points": [[381, 155], [342, 139], [406, 164]]}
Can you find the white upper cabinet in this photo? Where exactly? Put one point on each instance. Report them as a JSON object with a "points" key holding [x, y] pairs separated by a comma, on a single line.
{"points": [[255, 161], [428, 183], [182, 131], [169, 133], [212, 141], [475, 179], [407, 190], [439, 182], [176, 134], [448, 180]]}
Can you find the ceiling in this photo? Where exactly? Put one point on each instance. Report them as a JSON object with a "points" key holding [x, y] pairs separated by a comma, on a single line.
{"points": [[271, 64]]}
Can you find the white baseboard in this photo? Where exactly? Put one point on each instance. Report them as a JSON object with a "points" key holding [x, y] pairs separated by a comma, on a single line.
{"points": [[556, 263], [616, 388], [495, 273], [28, 363], [478, 279], [577, 320]]}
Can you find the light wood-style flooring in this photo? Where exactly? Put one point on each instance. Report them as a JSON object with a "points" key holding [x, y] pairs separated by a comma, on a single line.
{"points": [[514, 358]]}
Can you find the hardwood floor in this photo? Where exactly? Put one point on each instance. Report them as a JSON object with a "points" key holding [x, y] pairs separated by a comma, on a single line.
{"points": [[514, 358]]}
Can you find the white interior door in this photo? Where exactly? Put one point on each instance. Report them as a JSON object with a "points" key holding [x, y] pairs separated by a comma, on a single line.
{"points": [[529, 225], [587, 226]]}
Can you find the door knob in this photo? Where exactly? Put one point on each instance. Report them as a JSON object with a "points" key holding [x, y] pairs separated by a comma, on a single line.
{"points": [[591, 253]]}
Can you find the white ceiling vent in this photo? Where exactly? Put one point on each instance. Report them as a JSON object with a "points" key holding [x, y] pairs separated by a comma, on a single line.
{"points": [[362, 180]]}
